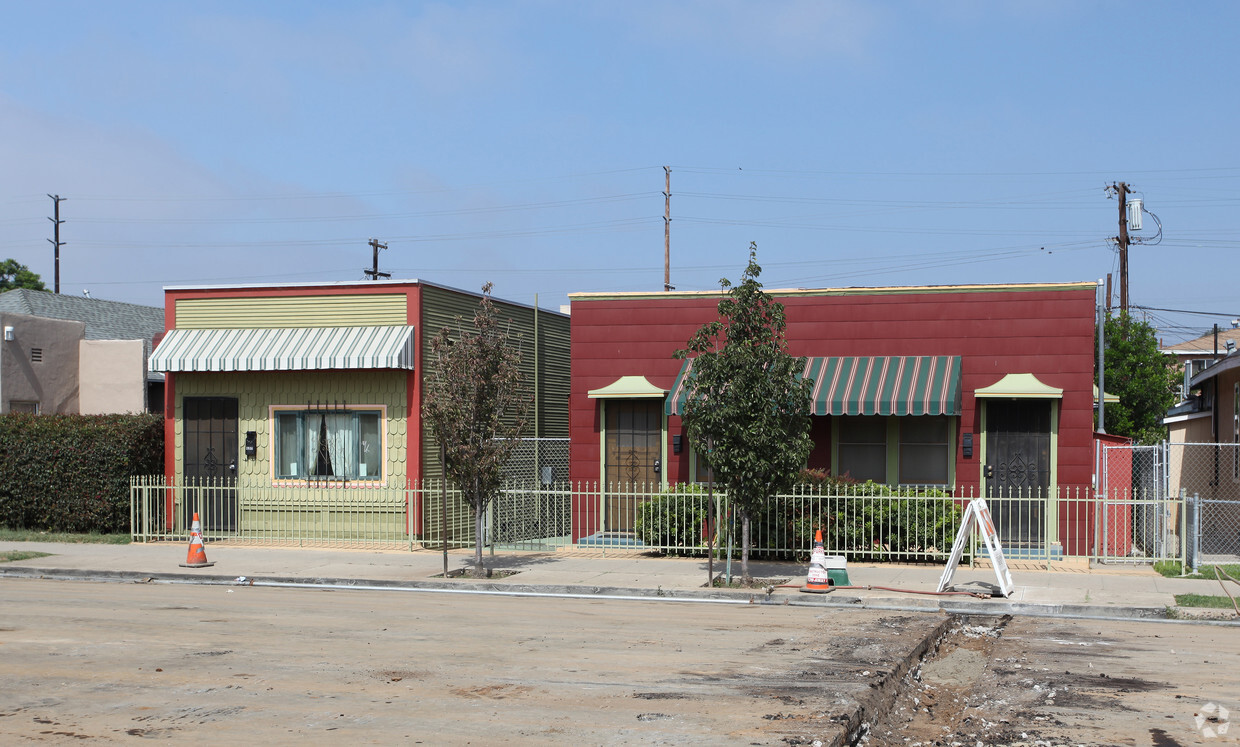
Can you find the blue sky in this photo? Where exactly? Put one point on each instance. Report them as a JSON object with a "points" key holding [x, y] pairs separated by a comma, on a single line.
{"points": [[858, 143]]}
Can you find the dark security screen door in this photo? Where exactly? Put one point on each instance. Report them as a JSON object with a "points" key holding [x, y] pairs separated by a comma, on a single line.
{"points": [[634, 428], [1018, 468], [210, 433]]}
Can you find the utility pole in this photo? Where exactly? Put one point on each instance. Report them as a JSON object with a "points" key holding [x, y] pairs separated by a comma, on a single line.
{"points": [[1122, 190], [374, 271], [56, 242], [667, 230], [1103, 311]]}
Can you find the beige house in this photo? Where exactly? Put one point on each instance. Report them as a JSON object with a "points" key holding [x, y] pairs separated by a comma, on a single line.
{"points": [[1195, 355], [39, 364], [77, 355]]}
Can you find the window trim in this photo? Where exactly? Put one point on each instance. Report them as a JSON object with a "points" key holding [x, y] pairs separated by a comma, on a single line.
{"points": [[273, 413]]}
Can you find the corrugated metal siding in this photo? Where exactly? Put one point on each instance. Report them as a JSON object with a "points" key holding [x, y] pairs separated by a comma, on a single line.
{"points": [[255, 392], [291, 311], [442, 308], [555, 378]]}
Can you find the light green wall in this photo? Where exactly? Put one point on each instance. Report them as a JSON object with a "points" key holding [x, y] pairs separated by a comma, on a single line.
{"points": [[248, 312], [256, 392]]}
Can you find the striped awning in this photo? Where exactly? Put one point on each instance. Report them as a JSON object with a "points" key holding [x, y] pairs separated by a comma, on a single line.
{"points": [[866, 385], [299, 349]]}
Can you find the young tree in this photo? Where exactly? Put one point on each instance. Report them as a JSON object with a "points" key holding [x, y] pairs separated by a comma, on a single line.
{"points": [[1142, 377], [748, 400], [476, 406], [14, 274]]}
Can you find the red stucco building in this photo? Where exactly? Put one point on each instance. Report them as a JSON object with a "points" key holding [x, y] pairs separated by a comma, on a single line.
{"points": [[973, 388]]}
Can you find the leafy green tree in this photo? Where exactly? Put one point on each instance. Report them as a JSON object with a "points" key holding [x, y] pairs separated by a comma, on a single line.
{"points": [[748, 400], [14, 274], [1142, 377], [476, 406]]}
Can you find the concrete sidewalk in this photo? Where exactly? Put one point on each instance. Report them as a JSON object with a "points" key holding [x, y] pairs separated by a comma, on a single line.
{"points": [[1118, 592]]}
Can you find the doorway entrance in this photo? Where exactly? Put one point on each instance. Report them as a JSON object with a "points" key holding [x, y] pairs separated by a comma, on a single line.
{"points": [[210, 456], [1018, 468], [631, 458]]}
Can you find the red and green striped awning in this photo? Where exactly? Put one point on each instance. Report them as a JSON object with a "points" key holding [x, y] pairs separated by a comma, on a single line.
{"points": [[866, 385]]}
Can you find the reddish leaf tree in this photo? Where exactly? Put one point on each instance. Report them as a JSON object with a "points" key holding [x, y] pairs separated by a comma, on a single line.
{"points": [[476, 405]]}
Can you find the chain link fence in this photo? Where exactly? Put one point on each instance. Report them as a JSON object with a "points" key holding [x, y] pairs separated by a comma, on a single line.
{"points": [[1208, 477], [538, 461]]}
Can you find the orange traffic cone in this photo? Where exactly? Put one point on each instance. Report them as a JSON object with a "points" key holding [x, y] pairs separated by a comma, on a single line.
{"points": [[197, 556], [817, 581]]}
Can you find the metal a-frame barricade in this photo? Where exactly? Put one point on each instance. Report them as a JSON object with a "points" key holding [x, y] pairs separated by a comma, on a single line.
{"points": [[978, 511]]}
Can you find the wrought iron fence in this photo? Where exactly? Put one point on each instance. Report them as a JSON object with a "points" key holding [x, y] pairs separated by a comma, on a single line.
{"points": [[521, 517], [862, 522], [335, 515]]}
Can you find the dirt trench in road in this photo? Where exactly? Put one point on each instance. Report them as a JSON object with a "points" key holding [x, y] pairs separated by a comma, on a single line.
{"points": [[1036, 681]]}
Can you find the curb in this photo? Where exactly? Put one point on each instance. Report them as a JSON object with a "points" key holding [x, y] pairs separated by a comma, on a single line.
{"points": [[997, 606]]}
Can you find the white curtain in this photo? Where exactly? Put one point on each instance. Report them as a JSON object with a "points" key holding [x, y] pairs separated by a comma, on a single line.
{"points": [[331, 445], [342, 444]]}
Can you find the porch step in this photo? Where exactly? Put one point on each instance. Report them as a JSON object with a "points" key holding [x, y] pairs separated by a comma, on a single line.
{"points": [[1018, 552], [611, 539]]}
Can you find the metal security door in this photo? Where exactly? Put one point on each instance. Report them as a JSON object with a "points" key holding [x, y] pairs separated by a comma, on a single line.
{"points": [[634, 430], [210, 454], [1018, 469]]}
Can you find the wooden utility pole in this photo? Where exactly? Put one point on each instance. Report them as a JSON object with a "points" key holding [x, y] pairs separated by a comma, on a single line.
{"points": [[1121, 189], [667, 230], [56, 242], [374, 271]]}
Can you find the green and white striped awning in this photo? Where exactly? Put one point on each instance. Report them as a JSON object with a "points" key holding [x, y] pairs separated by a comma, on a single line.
{"points": [[866, 385], [299, 349]]}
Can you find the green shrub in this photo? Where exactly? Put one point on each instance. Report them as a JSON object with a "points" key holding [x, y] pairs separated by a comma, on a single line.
{"points": [[675, 519], [70, 473], [864, 520]]}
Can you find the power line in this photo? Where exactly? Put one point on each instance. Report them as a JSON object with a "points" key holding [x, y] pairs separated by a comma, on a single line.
{"points": [[371, 193], [812, 172], [1186, 311]]}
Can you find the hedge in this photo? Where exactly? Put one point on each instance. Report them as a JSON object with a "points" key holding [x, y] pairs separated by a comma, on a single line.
{"points": [[675, 519], [866, 520], [70, 473]]}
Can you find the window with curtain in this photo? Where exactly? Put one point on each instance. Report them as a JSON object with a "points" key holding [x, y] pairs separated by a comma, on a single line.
{"points": [[862, 450], [924, 450], [329, 445]]}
